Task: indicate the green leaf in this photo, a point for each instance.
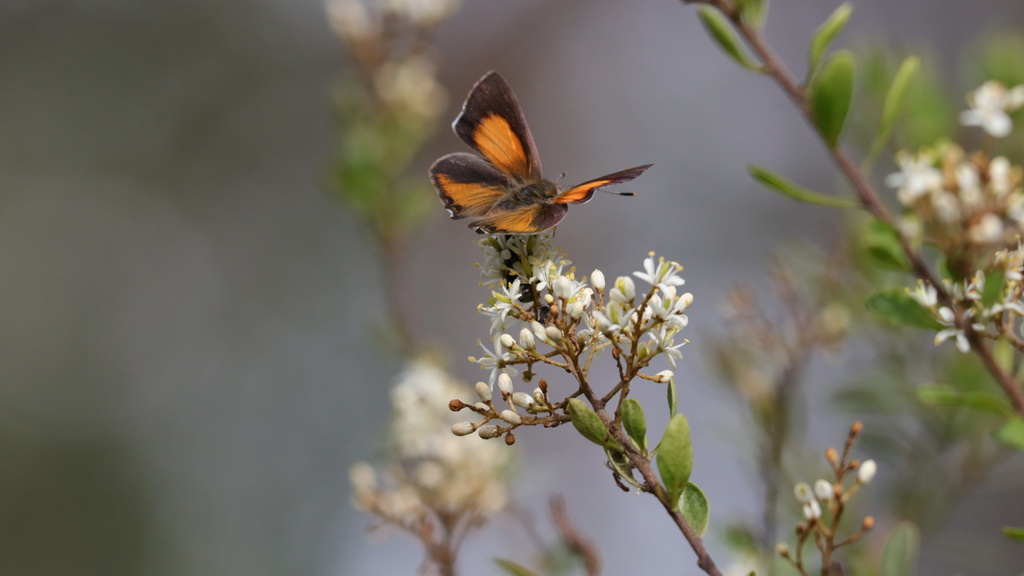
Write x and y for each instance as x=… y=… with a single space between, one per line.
x=1013 y=532
x=693 y=504
x=946 y=395
x=513 y=568
x=672 y=396
x=893 y=101
x=824 y=35
x=787 y=188
x=882 y=244
x=898 y=307
x=589 y=424
x=901 y=550
x=830 y=92
x=1011 y=433
x=621 y=465
x=722 y=32
x=675 y=457
x=995 y=284
x=753 y=11
x=634 y=422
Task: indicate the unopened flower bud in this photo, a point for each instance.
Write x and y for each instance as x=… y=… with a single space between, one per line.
x=482 y=406
x=812 y=510
x=597 y=280
x=553 y=333
x=823 y=490
x=538 y=396
x=665 y=376
x=575 y=310
x=363 y=477
x=463 y=428
x=511 y=416
x=522 y=399
x=624 y=290
x=782 y=549
x=866 y=471
x=488 y=431
x=687 y=299
x=507 y=341
x=483 y=390
x=510 y=439
x=562 y=287
x=505 y=384
x=549 y=299
x=802 y=492
x=526 y=339
x=831 y=455
x=868 y=523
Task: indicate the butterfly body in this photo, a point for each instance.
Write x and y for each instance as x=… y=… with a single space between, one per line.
x=502 y=190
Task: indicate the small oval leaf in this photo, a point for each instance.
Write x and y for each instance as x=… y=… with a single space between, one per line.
x=898 y=307
x=634 y=422
x=589 y=424
x=724 y=35
x=882 y=244
x=946 y=395
x=893 y=101
x=779 y=184
x=995 y=284
x=901 y=550
x=1011 y=433
x=753 y=11
x=675 y=457
x=830 y=92
x=673 y=397
x=1014 y=533
x=825 y=34
x=693 y=504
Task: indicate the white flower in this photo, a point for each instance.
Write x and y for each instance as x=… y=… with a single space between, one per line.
x=990 y=107
x=987 y=230
x=802 y=492
x=969 y=184
x=597 y=280
x=948 y=318
x=917 y=177
x=925 y=294
x=661 y=273
x=1000 y=173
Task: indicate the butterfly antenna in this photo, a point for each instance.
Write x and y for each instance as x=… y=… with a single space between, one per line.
x=617 y=192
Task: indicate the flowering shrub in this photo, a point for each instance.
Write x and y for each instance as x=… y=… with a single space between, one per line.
x=944 y=254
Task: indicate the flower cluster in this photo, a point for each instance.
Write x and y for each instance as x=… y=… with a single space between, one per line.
x=541 y=313
x=432 y=477
x=971 y=208
x=824 y=504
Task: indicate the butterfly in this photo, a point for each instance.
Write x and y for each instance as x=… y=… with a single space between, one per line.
x=502 y=190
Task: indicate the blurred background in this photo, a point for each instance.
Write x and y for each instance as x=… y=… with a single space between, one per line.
x=188 y=352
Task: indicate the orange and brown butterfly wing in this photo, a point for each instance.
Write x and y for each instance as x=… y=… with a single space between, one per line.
x=492 y=123
x=467 y=185
x=583 y=192
x=527 y=220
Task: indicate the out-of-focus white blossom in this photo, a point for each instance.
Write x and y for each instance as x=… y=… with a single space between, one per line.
x=990 y=108
x=431 y=469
